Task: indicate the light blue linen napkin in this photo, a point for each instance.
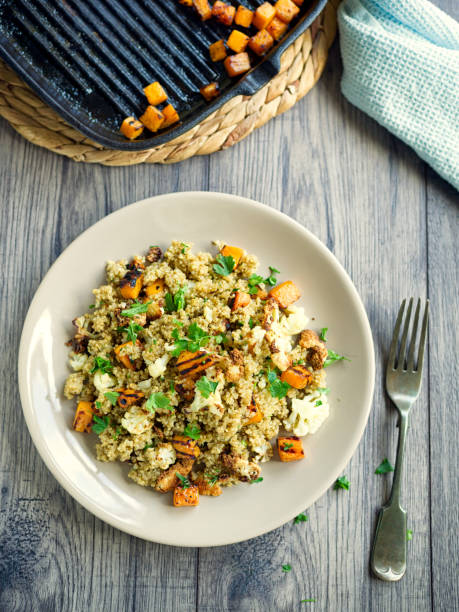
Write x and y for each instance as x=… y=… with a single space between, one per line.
x=401 y=67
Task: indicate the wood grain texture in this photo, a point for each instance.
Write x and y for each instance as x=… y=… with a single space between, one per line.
x=394 y=225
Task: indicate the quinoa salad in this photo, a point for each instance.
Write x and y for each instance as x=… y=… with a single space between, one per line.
x=189 y=365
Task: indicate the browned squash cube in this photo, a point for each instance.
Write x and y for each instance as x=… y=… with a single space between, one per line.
x=152 y=118
x=237 y=41
x=156 y=288
x=261 y=42
x=224 y=13
x=285 y=294
x=83 y=417
x=210 y=91
x=131 y=128
x=185 y=447
x=290 y=448
x=241 y=300
x=171 y=116
x=188 y=496
x=243 y=17
x=298 y=2
x=131 y=284
x=237 y=64
x=255 y=414
x=286 y=10
x=297 y=376
x=203 y=9
x=192 y=364
x=186 y=2
x=235 y=252
x=128 y=397
x=155 y=93
x=277 y=28
x=264 y=15
x=217 y=50
x=122 y=358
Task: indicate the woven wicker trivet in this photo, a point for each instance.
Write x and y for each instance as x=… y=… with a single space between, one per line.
x=301 y=67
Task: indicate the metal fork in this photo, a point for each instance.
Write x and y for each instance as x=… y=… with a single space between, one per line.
x=403 y=382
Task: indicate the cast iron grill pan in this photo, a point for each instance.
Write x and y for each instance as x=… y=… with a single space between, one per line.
x=91 y=59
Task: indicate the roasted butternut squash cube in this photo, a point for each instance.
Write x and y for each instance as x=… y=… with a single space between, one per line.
x=128 y=397
x=188 y=496
x=131 y=284
x=237 y=64
x=290 y=448
x=237 y=41
x=83 y=417
x=236 y=253
x=158 y=287
x=186 y=2
x=155 y=93
x=152 y=118
x=277 y=28
x=297 y=376
x=131 y=128
x=243 y=17
x=240 y=300
x=261 y=42
x=203 y=9
x=285 y=294
x=224 y=13
x=263 y=16
x=217 y=50
x=255 y=414
x=171 y=116
x=210 y=91
x=123 y=358
x=185 y=447
x=191 y=364
x=286 y=10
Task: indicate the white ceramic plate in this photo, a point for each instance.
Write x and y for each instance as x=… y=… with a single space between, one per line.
x=104 y=488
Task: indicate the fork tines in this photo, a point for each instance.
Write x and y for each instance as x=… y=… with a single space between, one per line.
x=398 y=360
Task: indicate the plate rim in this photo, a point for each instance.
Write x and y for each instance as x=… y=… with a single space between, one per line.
x=66 y=481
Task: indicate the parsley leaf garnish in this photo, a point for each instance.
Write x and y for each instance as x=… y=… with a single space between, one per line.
x=323 y=334
x=192 y=431
x=117 y=433
x=221 y=339
x=409 y=535
x=206 y=386
x=301 y=518
x=254 y=281
x=225 y=264
x=92 y=306
x=256 y=480
x=196 y=339
x=104 y=365
x=332 y=357
x=175 y=301
x=324 y=390
x=277 y=387
x=342 y=483
x=318 y=403
x=286 y=567
x=135 y=309
x=112 y=397
x=100 y=424
x=272 y=280
x=158 y=400
x=251 y=323
x=287 y=445
x=185 y=483
x=384 y=467
x=147 y=446
x=213 y=477
x=184 y=247
x=132 y=331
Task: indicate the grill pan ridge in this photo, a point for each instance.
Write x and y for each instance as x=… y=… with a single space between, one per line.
x=90 y=59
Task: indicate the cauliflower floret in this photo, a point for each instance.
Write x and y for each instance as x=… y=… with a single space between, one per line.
x=161 y=457
x=158 y=367
x=295 y=322
x=136 y=421
x=307 y=414
x=213 y=402
x=263 y=452
x=207 y=312
x=103 y=381
x=77 y=360
x=257 y=334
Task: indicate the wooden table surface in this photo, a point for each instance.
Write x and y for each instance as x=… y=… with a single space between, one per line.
x=393 y=223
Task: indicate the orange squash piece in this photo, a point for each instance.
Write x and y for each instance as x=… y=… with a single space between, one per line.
x=256 y=414
x=243 y=17
x=210 y=91
x=290 y=448
x=297 y=376
x=152 y=118
x=131 y=284
x=171 y=116
x=156 y=288
x=131 y=128
x=191 y=364
x=286 y=10
x=237 y=41
x=83 y=417
x=298 y=2
x=277 y=28
x=217 y=50
x=261 y=42
x=285 y=294
x=236 y=65
x=240 y=300
x=224 y=13
x=127 y=397
x=264 y=15
x=203 y=9
x=155 y=93
x=236 y=252
x=186 y=497
x=124 y=359
x=185 y=447
x=186 y=2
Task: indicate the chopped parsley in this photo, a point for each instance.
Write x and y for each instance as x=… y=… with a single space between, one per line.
x=221 y=339
x=117 y=433
x=184 y=248
x=286 y=567
x=172 y=386
x=206 y=386
x=277 y=387
x=342 y=483
x=384 y=467
x=225 y=264
x=323 y=390
x=184 y=482
x=332 y=357
x=178 y=323
x=409 y=535
x=318 y=403
x=100 y=424
x=213 y=477
x=254 y=281
x=323 y=334
x=112 y=397
x=256 y=480
x=272 y=280
x=147 y=446
x=301 y=518
x=195 y=339
x=299 y=362
x=92 y=305
x=175 y=301
x=136 y=309
x=158 y=400
x=251 y=323
x=103 y=365
x=287 y=445
x=131 y=330
x=192 y=431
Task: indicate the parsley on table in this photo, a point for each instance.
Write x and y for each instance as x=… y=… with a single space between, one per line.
x=384 y=467
x=342 y=483
x=104 y=365
x=323 y=334
x=409 y=535
x=136 y=309
x=318 y=403
x=112 y=397
x=185 y=483
x=100 y=424
x=131 y=330
x=192 y=431
x=176 y=301
x=206 y=386
x=158 y=400
x=277 y=387
x=256 y=480
x=287 y=445
x=286 y=567
x=307 y=600
x=301 y=518
x=332 y=357
x=225 y=264
x=272 y=280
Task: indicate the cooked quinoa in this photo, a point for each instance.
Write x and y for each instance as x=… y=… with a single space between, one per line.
x=188 y=364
